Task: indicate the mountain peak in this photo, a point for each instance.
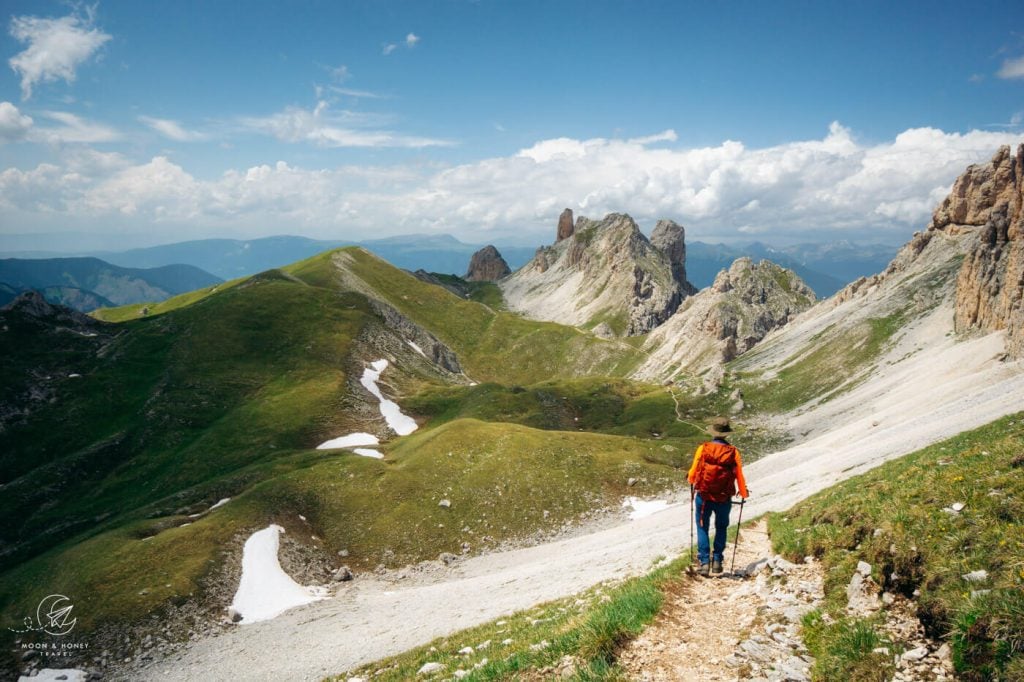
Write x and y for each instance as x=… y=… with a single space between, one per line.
x=603 y=271
x=981 y=189
x=487 y=265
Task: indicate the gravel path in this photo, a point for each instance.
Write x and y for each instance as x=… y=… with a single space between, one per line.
x=911 y=405
x=729 y=627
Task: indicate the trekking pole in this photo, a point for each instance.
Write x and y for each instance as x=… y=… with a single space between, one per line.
x=691 y=526
x=732 y=569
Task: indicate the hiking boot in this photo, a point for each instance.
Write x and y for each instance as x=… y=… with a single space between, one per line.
x=704 y=570
x=716 y=566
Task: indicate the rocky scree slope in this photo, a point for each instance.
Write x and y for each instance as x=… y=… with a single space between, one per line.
x=716 y=325
x=603 y=275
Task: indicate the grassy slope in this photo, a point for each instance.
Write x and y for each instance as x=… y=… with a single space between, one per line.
x=892 y=518
x=491 y=345
x=217 y=394
x=135 y=311
x=903 y=498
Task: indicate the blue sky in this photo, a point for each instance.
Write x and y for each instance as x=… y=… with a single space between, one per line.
x=151 y=122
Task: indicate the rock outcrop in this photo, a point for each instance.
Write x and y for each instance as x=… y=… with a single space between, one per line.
x=670 y=238
x=33 y=304
x=565 y=225
x=487 y=265
x=989 y=199
x=744 y=304
x=604 y=275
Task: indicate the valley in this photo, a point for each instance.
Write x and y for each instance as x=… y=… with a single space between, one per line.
x=142 y=446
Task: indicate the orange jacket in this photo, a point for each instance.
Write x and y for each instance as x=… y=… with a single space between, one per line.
x=741 y=483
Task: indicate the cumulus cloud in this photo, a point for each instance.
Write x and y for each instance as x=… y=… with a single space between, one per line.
x=818 y=189
x=1012 y=68
x=389 y=48
x=56 y=48
x=171 y=129
x=411 y=39
x=325 y=128
x=14 y=125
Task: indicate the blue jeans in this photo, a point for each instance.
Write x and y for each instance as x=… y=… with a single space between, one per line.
x=703 y=509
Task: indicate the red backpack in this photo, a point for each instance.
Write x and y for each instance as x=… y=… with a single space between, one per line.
x=715 y=479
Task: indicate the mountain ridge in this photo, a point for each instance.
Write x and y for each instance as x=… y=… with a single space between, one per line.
x=97 y=281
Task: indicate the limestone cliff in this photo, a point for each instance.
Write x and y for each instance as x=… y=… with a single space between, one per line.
x=723 y=321
x=989 y=198
x=603 y=275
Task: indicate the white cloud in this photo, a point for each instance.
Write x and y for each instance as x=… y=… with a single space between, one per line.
x=1012 y=68
x=411 y=40
x=56 y=47
x=73 y=129
x=325 y=128
x=819 y=189
x=664 y=136
x=172 y=129
x=14 y=125
x=159 y=188
x=340 y=73
x=359 y=94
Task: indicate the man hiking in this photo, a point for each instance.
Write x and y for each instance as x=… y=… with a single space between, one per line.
x=715 y=476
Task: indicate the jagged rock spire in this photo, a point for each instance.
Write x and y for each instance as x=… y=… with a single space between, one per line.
x=670 y=238
x=565 y=225
x=487 y=265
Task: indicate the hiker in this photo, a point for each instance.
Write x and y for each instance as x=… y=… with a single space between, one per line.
x=715 y=476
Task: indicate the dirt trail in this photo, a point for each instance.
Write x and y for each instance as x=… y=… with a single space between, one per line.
x=729 y=627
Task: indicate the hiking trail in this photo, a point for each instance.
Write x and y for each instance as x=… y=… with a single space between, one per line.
x=731 y=628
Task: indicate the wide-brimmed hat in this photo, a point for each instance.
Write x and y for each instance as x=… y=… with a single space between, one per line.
x=719 y=426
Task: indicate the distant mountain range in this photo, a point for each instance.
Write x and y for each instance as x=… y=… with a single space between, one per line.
x=231 y=258
x=825 y=267
x=89 y=283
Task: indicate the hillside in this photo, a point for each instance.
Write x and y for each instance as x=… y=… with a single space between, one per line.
x=88 y=283
x=119 y=440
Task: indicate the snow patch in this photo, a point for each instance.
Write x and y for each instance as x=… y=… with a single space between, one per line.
x=351 y=440
x=265 y=590
x=52 y=674
x=416 y=348
x=400 y=423
x=220 y=503
x=643 y=508
x=369 y=452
